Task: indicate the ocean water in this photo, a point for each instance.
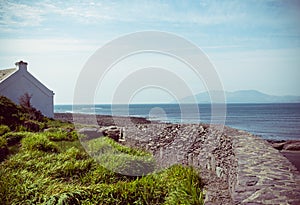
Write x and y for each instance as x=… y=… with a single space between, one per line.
x=270 y=121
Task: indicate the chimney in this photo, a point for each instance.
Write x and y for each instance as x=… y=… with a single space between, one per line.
x=21 y=65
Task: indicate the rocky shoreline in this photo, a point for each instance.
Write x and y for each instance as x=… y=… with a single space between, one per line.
x=289 y=148
x=220 y=155
x=102 y=120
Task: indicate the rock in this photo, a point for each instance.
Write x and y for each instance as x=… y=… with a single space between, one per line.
x=122 y=135
x=113 y=132
x=292 y=145
x=90 y=133
x=219 y=171
x=278 y=146
x=211 y=165
x=201 y=129
x=251 y=180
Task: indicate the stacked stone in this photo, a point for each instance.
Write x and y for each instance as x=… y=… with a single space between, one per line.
x=194 y=145
x=236 y=167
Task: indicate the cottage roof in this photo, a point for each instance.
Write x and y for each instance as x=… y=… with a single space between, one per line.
x=22 y=67
x=5 y=73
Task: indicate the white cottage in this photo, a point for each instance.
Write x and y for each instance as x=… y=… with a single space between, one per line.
x=15 y=82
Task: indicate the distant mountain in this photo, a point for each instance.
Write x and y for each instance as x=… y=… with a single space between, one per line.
x=241 y=96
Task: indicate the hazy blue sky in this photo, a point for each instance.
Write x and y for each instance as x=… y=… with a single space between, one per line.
x=254 y=44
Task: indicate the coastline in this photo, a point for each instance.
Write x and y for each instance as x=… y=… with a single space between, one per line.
x=285 y=147
x=193 y=145
x=234 y=164
x=254 y=118
x=102 y=120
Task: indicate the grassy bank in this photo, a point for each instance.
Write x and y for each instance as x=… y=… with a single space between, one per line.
x=51 y=167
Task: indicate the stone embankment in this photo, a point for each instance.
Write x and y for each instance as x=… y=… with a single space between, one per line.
x=195 y=145
x=236 y=167
x=264 y=176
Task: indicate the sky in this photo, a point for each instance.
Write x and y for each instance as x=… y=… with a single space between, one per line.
x=253 y=44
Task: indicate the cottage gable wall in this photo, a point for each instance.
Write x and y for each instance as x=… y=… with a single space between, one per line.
x=21 y=82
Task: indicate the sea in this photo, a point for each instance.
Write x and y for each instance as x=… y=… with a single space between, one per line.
x=270 y=121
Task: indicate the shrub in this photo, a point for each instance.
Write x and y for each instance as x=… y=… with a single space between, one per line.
x=30 y=112
x=9 y=113
x=21 y=128
x=4 y=129
x=57 y=134
x=39 y=142
x=51 y=123
x=13 y=138
x=3 y=148
x=33 y=126
x=3 y=142
x=25 y=115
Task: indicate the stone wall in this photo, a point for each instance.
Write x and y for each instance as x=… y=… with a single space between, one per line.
x=191 y=144
x=236 y=167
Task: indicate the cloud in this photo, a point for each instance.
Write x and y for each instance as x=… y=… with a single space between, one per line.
x=43 y=46
x=253 y=23
x=19 y=14
x=33 y=14
x=84 y=12
x=239 y=14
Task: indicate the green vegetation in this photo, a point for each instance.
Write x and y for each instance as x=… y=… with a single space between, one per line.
x=58 y=134
x=3 y=149
x=24 y=117
x=4 y=129
x=50 y=166
x=119 y=158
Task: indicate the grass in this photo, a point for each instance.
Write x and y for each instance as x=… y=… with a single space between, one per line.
x=53 y=168
x=59 y=134
x=37 y=141
x=4 y=129
x=118 y=158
